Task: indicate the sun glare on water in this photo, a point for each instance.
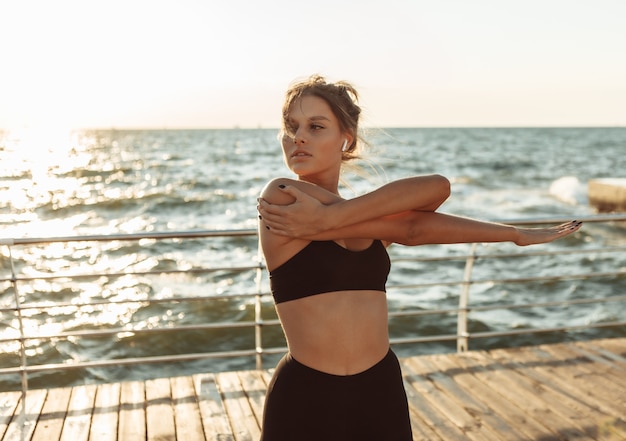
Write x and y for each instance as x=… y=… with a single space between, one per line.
x=37 y=169
x=46 y=191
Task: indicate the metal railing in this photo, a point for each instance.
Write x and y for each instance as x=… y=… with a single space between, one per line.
x=260 y=297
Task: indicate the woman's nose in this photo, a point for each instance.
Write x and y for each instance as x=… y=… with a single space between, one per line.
x=297 y=138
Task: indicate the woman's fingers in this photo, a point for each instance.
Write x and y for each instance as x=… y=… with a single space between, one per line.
x=267 y=215
x=569 y=227
x=531 y=236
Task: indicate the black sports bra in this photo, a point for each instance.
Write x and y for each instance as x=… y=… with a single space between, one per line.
x=325 y=266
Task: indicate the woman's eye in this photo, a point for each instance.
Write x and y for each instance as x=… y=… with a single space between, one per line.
x=316 y=127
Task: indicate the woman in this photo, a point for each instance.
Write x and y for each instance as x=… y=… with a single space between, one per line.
x=328 y=267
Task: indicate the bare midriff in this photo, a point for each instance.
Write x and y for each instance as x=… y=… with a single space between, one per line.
x=340 y=333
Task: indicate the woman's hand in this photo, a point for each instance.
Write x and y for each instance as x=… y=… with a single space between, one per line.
x=305 y=216
x=532 y=236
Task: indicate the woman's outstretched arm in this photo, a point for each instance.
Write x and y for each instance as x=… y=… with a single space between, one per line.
x=297 y=209
x=439 y=228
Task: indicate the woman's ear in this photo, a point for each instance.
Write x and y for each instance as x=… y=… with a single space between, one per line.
x=349 y=137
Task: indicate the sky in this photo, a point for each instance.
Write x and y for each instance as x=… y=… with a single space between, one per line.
x=221 y=64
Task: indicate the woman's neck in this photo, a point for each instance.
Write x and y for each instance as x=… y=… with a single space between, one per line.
x=329 y=184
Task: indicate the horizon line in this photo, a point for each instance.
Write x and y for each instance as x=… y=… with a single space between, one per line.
x=368 y=127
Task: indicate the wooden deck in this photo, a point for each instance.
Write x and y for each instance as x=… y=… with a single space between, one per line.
x=573 y=391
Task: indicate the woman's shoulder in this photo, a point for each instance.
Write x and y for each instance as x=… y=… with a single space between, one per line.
x=271 y=191
x=274 y=194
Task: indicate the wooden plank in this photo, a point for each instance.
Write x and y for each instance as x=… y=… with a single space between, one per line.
x=594 y=366
x=421 y=416
x=573 y=412
x=132 y=420
x=428 y=411
x=24 y=422
x=255 y=389
x=484 y=415
x=618 y=360
x=527 y=396
x=595 y=382
x=503 y=416
x=212 y=411
x=432 y=389
x=105 y=414
x=186 y=410
x=267 y=375
x=491 y=395
x=239 y=410
x=609 y=365
x=8 y=407
x=78 y=419
x=615 y=348
x=573 y=379
x=569 y=380
x=159 y=410
x=50 y=423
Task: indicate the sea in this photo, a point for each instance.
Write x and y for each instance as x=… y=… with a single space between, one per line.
x=57 y=183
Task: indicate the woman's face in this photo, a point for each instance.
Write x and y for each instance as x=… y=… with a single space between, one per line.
x=312 y=144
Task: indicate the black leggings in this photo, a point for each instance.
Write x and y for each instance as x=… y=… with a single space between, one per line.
x=304 y=404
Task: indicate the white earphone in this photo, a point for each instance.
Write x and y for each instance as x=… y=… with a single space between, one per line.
x=344 y=146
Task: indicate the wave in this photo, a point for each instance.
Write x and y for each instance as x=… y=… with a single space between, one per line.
x=570 y=190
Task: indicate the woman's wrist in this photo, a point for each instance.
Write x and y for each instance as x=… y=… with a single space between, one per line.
x=333 y=216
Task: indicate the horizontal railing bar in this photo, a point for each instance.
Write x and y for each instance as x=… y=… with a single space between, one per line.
x=424 y=312
x=552 y=253
x=30 y=306
x=552 y=278
x=514 y=280
x=238 y=269
x=544 y=304
x=253 y=232
x=463 y=257
x=104 y=332
x=425 y=285
x=428 y=339
x=477 y=335
x=130 y=236
x=140 y=360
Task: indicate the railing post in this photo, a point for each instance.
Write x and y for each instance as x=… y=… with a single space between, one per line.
x=18 y=312
x=258 y=313
x=462 y=340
